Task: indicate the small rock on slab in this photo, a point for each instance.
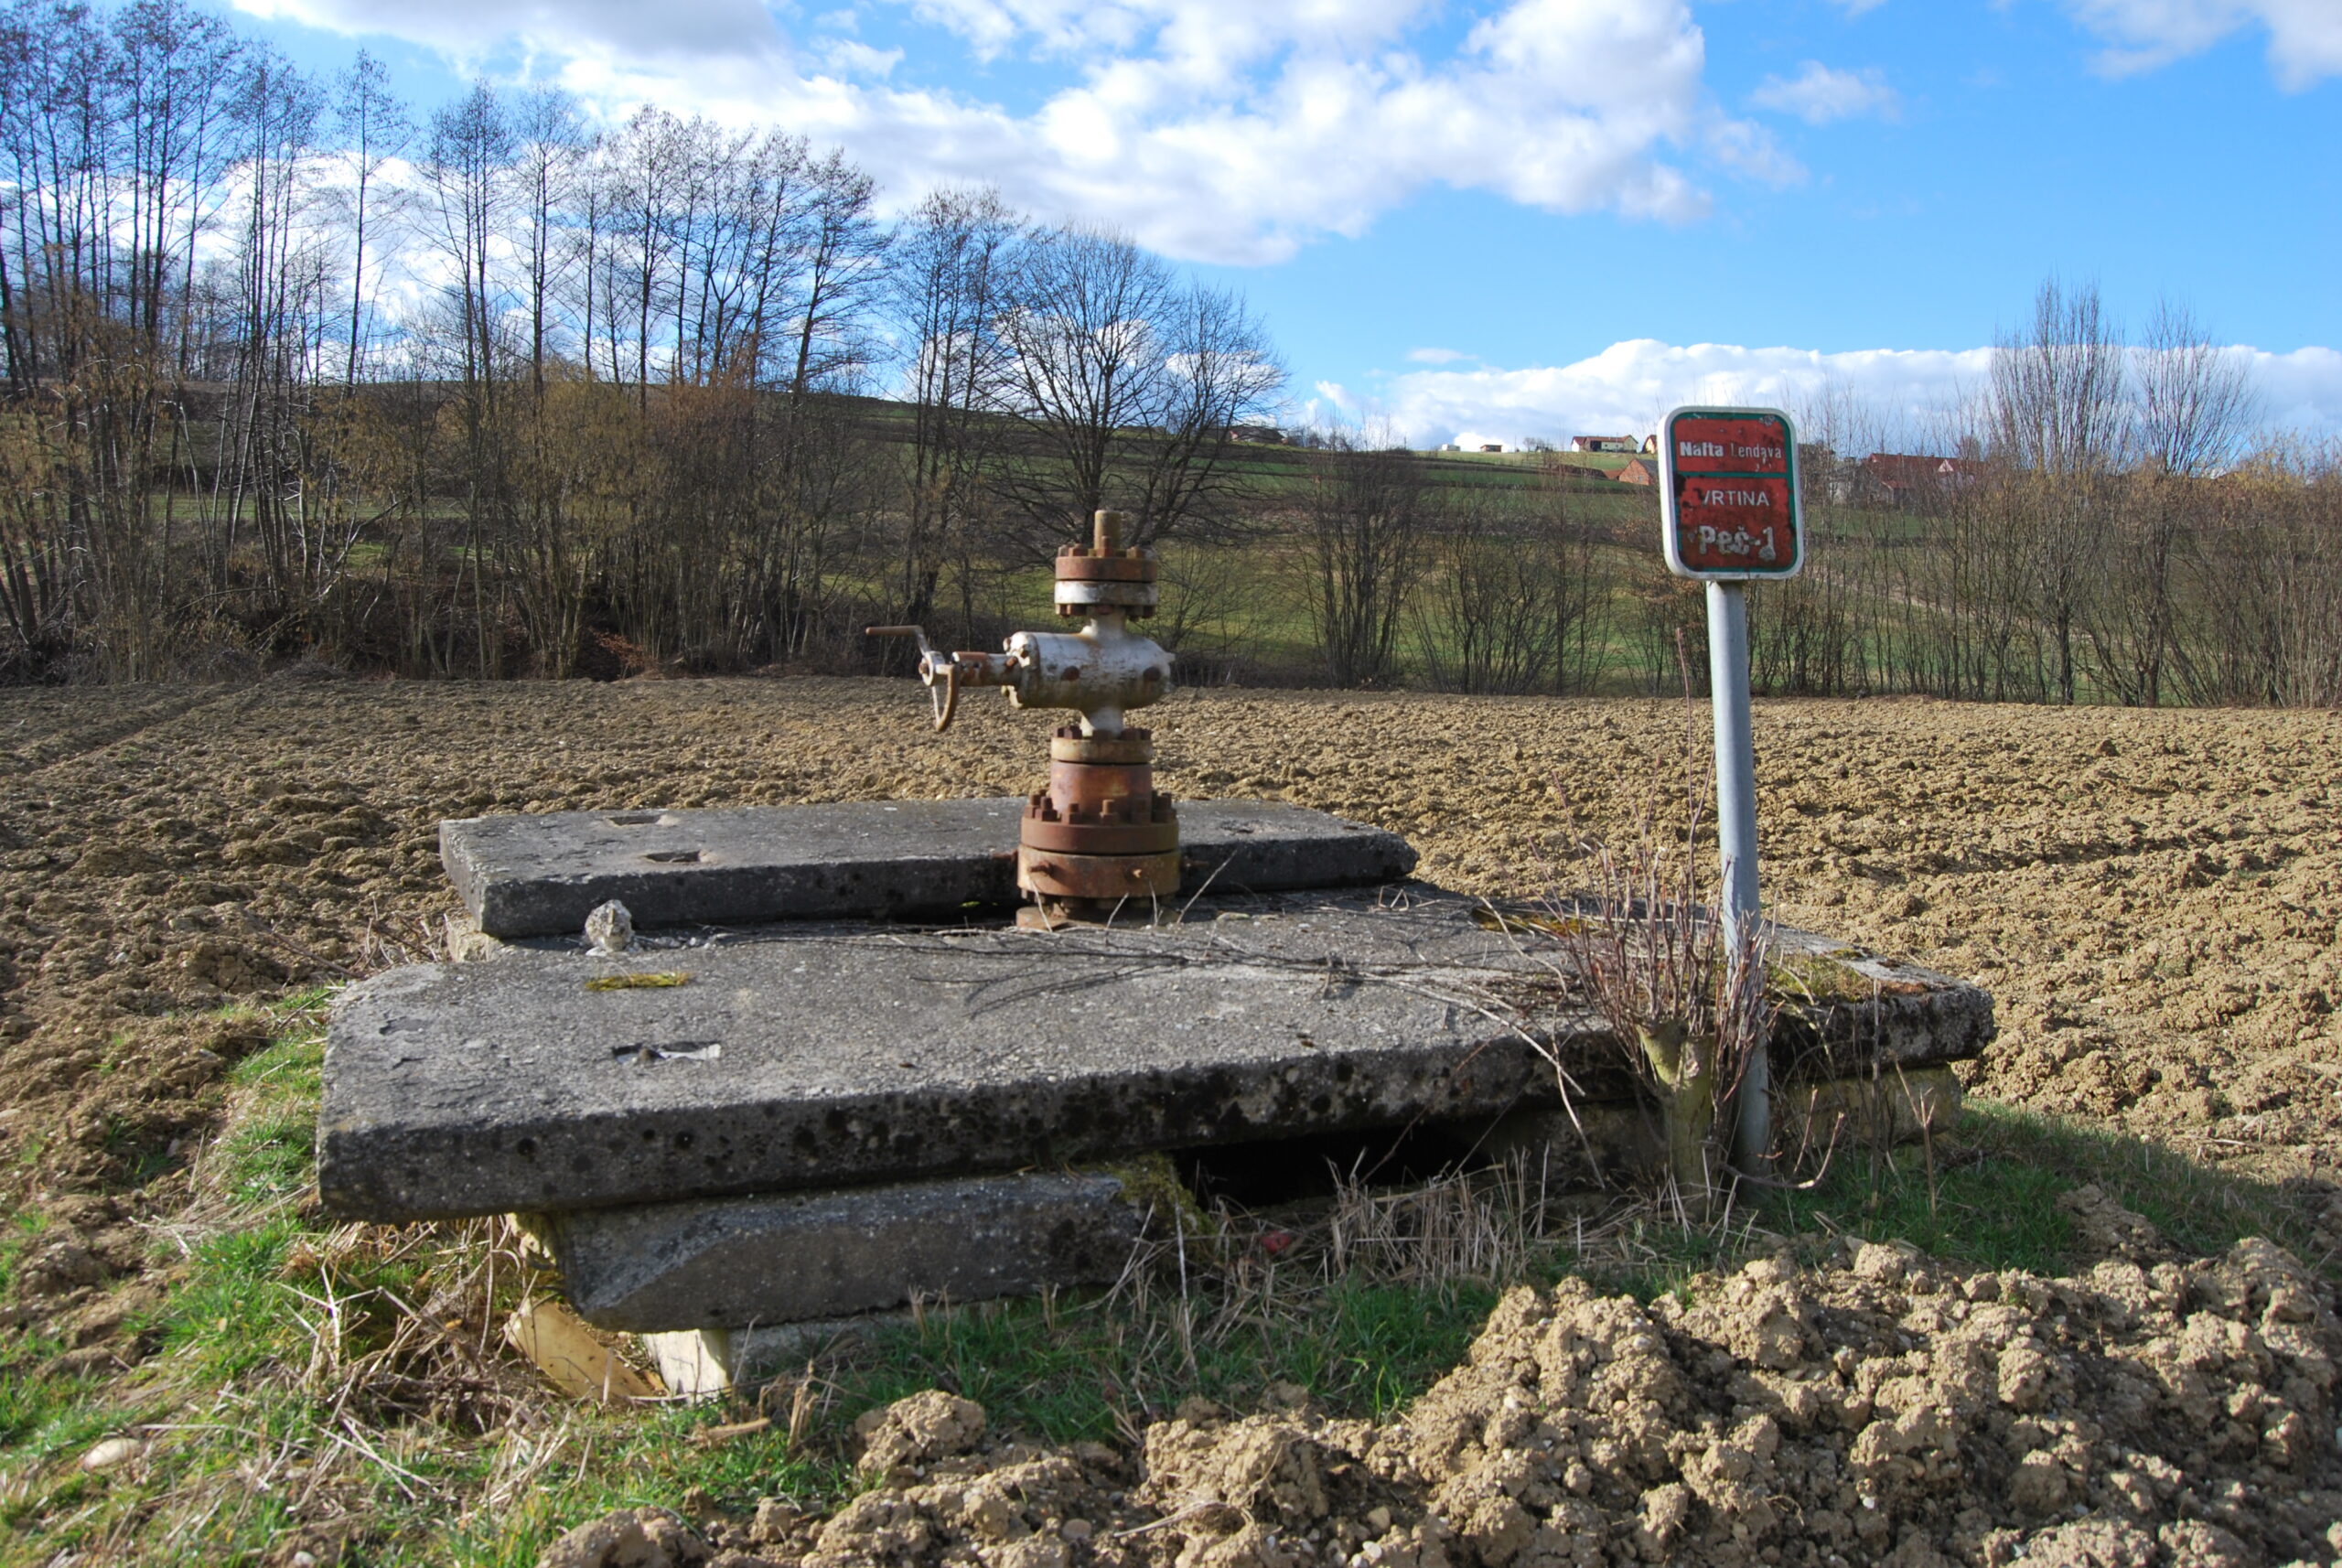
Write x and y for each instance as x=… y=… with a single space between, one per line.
x=542 y=874
x=788 y=1257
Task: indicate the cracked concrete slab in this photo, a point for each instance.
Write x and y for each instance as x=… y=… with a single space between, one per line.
x=807 y=1056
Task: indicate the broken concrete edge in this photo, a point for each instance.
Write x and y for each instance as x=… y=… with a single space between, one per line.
x=466 y=943
x=540 y=874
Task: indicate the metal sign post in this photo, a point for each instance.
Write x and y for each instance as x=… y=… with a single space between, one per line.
x=1732 y=514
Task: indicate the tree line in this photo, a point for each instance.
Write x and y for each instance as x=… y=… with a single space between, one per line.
x=2119 y=530
x=2102 y=521
x=2111 y=526
x=292 y=370
x=492 y=391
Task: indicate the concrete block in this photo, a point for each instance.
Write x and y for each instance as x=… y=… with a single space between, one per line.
x=693 y=1366
x=804 y=1056
x=783 y=1258
x=542 y=874
x=1593 y=1143
x=814 y=1057
x=1899 y=1107
x=1605 y=1142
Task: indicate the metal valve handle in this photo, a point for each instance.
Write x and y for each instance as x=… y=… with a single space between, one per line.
x=939 y=671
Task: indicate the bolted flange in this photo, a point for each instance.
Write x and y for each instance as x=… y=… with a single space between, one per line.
x=1100 y=833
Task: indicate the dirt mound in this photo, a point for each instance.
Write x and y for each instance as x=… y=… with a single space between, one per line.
x=1877 y=1409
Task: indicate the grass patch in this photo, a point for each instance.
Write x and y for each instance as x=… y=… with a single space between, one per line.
x=1099 y=1367
x=1987 y=1194
x=308 y=1384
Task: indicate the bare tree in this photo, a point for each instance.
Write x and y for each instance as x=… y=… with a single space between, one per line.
x=637 y=171
x=1363 y=526
x=951 y=259
x=1509 y=601
x=279 y=269
x=841 y=273
x=2060 y=419
x=548 y=141
x=375 y=128
x=2194 y=406
x=1126 y=384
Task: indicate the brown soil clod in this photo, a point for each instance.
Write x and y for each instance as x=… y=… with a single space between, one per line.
x=1881 y=1408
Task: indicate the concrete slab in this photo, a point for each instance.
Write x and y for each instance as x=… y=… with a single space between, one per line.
x=805 y=1056
x=784 y=1258
x=541 y=875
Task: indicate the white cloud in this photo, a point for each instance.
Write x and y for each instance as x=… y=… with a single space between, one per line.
x=848 y=57
x=1438 y=355
x=674 y=29
x=1221 y=130
x=1749 y=148
x=1818 y=95
x=1905 y=395
x=1628 y=385
x=2301 y=391
x=2305 y=36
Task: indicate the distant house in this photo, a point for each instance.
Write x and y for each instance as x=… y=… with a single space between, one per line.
x=1641 y=471
x=1650 y=446
x=1904 y=478
x=1604 y=444
x=1257 y=436
x=1493 y=446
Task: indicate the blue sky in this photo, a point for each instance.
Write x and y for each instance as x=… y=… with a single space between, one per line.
x=1521 y=218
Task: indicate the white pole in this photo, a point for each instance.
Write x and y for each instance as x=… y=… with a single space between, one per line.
x=1736 y=834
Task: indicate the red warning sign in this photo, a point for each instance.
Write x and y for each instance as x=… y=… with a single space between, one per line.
x=1729 y=492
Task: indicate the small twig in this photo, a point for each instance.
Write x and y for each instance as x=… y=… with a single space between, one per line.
x=709 y=1436
x=1190 y=1510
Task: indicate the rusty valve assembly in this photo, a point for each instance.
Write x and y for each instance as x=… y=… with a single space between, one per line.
x=1098 y=835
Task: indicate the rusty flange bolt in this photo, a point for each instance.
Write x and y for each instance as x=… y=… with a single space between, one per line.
x=1103 y=575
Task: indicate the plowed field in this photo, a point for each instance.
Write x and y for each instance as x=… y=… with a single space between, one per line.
x=2155 y=899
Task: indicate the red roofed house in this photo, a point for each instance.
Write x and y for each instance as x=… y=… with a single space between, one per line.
x=1897 y=479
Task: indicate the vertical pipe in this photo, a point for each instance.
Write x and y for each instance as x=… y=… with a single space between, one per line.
x=1737 y=833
